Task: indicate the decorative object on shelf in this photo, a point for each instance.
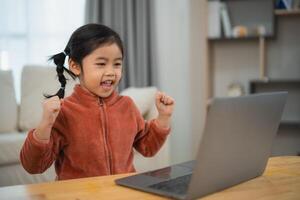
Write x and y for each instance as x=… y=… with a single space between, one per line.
x=261 y=30
x=240 y=31
x=244 y=31
x=235 y=90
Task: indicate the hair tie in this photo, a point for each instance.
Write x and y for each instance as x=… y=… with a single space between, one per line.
x=65 y=53
x=62 y=88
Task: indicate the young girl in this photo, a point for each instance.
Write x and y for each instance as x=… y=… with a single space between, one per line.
x=93 y=131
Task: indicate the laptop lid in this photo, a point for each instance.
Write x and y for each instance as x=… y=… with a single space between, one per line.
x=235 y=147
x=237 y=141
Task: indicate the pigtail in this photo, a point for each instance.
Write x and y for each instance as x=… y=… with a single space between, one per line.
x=59 y=60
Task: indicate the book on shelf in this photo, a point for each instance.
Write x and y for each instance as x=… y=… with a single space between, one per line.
x=225 y=20
x=214 y=19
x=287 y=4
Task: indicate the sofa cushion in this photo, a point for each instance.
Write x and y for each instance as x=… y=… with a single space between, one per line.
x=36 y=81
x=10 y=147
x=144 y=98
x=15 y=174
x=8 y=104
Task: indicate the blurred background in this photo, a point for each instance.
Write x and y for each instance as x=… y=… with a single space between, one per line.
x=194 y=50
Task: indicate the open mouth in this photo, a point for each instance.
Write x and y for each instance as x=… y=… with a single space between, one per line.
x=107 y=85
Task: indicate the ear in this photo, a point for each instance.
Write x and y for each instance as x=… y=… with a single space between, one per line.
x=74 y=67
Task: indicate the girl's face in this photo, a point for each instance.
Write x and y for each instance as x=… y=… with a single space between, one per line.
x=102 y=70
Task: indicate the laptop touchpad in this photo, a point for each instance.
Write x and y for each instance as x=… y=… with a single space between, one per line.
x=173 y=171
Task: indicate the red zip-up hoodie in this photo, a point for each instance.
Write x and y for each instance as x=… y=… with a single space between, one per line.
x=93 y=136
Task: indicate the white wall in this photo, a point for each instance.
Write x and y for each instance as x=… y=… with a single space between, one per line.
x=173 y=69
x=173 y=29
x=198 y=70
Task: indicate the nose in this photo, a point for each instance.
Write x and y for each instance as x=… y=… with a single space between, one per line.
x=109 y=71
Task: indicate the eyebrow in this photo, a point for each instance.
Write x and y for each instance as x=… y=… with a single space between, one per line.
x=106 y=59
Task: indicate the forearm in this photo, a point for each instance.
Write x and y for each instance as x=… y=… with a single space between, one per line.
x=163 y=121
x=43 y=131
x=35 y=156
x=149 y=143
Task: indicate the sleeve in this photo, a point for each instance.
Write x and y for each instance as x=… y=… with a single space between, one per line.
x=150 y=137
x=37 y=156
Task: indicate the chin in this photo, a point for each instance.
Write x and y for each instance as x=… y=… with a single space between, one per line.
x=105 y=94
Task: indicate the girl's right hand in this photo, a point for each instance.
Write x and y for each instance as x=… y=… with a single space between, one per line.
x=51 y=108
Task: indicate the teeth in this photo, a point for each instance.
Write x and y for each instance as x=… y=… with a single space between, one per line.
x=107 y=82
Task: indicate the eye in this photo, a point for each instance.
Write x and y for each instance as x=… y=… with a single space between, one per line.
x=102 y=64
x=118 y=65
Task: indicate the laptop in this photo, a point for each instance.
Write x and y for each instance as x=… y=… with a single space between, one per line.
x=234 y=147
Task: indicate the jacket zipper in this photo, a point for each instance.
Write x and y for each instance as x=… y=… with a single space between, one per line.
x=105 y=136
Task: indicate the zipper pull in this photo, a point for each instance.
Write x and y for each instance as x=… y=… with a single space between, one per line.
x=101 y=102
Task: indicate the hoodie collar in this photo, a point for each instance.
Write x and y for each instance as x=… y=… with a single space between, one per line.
x=88 y=97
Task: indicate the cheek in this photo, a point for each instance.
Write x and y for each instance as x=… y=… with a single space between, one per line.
x=119 y=74
x=92 y=76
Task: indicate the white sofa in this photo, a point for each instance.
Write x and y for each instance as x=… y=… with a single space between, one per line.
x=17 y=119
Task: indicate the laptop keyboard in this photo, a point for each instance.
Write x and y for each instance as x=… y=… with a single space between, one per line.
x=177 y=185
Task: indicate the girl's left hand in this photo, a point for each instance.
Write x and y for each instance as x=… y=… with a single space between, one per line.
x=164 y=104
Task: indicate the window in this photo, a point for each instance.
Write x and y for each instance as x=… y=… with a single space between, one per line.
x=32 y=30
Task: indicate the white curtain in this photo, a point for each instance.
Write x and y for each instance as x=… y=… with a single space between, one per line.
x=32 y=30
x=133 y=20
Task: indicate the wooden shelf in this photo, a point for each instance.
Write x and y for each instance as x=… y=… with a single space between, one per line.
x=276 y=81
x=284 y=123
x=282 y=12
x=234 y=38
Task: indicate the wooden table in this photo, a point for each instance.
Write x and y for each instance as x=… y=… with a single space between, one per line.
x=281 y=180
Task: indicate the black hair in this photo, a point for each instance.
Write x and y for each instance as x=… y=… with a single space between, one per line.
x=82 y=42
